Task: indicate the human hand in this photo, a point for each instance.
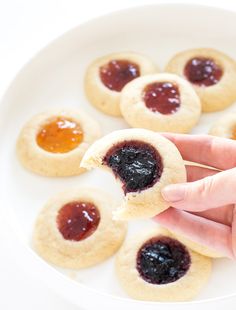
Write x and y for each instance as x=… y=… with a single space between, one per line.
x=203 y=209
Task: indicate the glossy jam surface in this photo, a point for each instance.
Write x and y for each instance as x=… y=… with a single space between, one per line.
x=117 y=73
x=203 y=71
x=137 y=164
x=162 y=97
x=162 y=260
x=78 y=220
x=60 y=135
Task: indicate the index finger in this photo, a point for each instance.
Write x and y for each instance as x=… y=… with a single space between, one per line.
x=216 y=152
x=211 y=234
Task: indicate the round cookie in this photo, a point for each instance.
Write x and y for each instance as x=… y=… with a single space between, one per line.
x=106 y=76
x=211 y=73
x=143 y=162
x=53 y=143
x=75 y=229
x=154 y=266
x=225 y=127
x=160 y=102
x=196 y=247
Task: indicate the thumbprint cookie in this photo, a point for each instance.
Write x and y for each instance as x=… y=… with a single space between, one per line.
x=53 y=143
x=143 y=162
x=106 y=76
x=160 y=102
x=225 y=127
x=75 y=229
x=155 y=266
x=211 y=73
x=197 y=247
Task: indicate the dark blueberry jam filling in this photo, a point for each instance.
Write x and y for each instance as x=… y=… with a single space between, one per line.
x=137 y=164
x=162 y=260
x=203 y=71
x=117 y=73
x=78 y=220
x=162 y=97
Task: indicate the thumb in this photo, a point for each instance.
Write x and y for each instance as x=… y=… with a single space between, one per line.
x=210 y=192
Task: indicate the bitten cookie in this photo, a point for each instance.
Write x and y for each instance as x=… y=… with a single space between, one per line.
x=155 y=266
x=53 y=143
x=106 y=76
x=75 y=229
x=212 y=74
x=160 y=102
x=143 y=162
x=225 y=127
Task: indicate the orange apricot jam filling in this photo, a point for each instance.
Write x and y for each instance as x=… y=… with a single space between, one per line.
x=233 y=134
x=60 y=135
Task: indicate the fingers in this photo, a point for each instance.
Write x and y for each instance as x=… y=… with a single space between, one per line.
x=210 y=192
x=207 y=150
x=195 y=173
x=223 y=215
x=200 y=230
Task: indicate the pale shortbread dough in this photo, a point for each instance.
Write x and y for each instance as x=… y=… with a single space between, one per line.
x=103 y=98
x=148 y=202
x=224 y=126
x=104 y=242
x=138 y=115
x=215 y=97
x=185 y=288
x=40 y=161
x=196 y=247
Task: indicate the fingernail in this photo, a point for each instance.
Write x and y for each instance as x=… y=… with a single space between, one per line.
x=174 y=193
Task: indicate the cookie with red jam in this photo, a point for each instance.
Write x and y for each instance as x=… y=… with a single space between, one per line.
x=106 y=77
x=211 y=73
x=160 y=102
x=75 y=229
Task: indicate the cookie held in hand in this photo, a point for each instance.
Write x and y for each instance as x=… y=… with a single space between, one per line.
x=143 y=162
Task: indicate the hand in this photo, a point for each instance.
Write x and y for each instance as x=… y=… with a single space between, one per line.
x=204 y=208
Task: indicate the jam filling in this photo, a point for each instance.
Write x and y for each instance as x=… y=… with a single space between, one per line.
x=78 y=220
x=203 y=71
x=60 y=135
x=137 y=164
x=162 y=97
x=117 y=73
x=162 y=260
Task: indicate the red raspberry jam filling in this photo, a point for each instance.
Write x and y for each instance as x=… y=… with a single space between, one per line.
x=78 y=220
x=162 y=260
x=203 y=71
x=137 y=164
x=162 y=97
x=117 y=73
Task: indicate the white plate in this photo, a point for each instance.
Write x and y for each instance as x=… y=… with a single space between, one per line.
x=55 y=78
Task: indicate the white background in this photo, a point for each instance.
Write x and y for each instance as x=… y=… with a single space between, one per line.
x=25 y=27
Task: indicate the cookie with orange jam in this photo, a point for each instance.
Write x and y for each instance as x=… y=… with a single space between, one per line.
x=53 y=143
